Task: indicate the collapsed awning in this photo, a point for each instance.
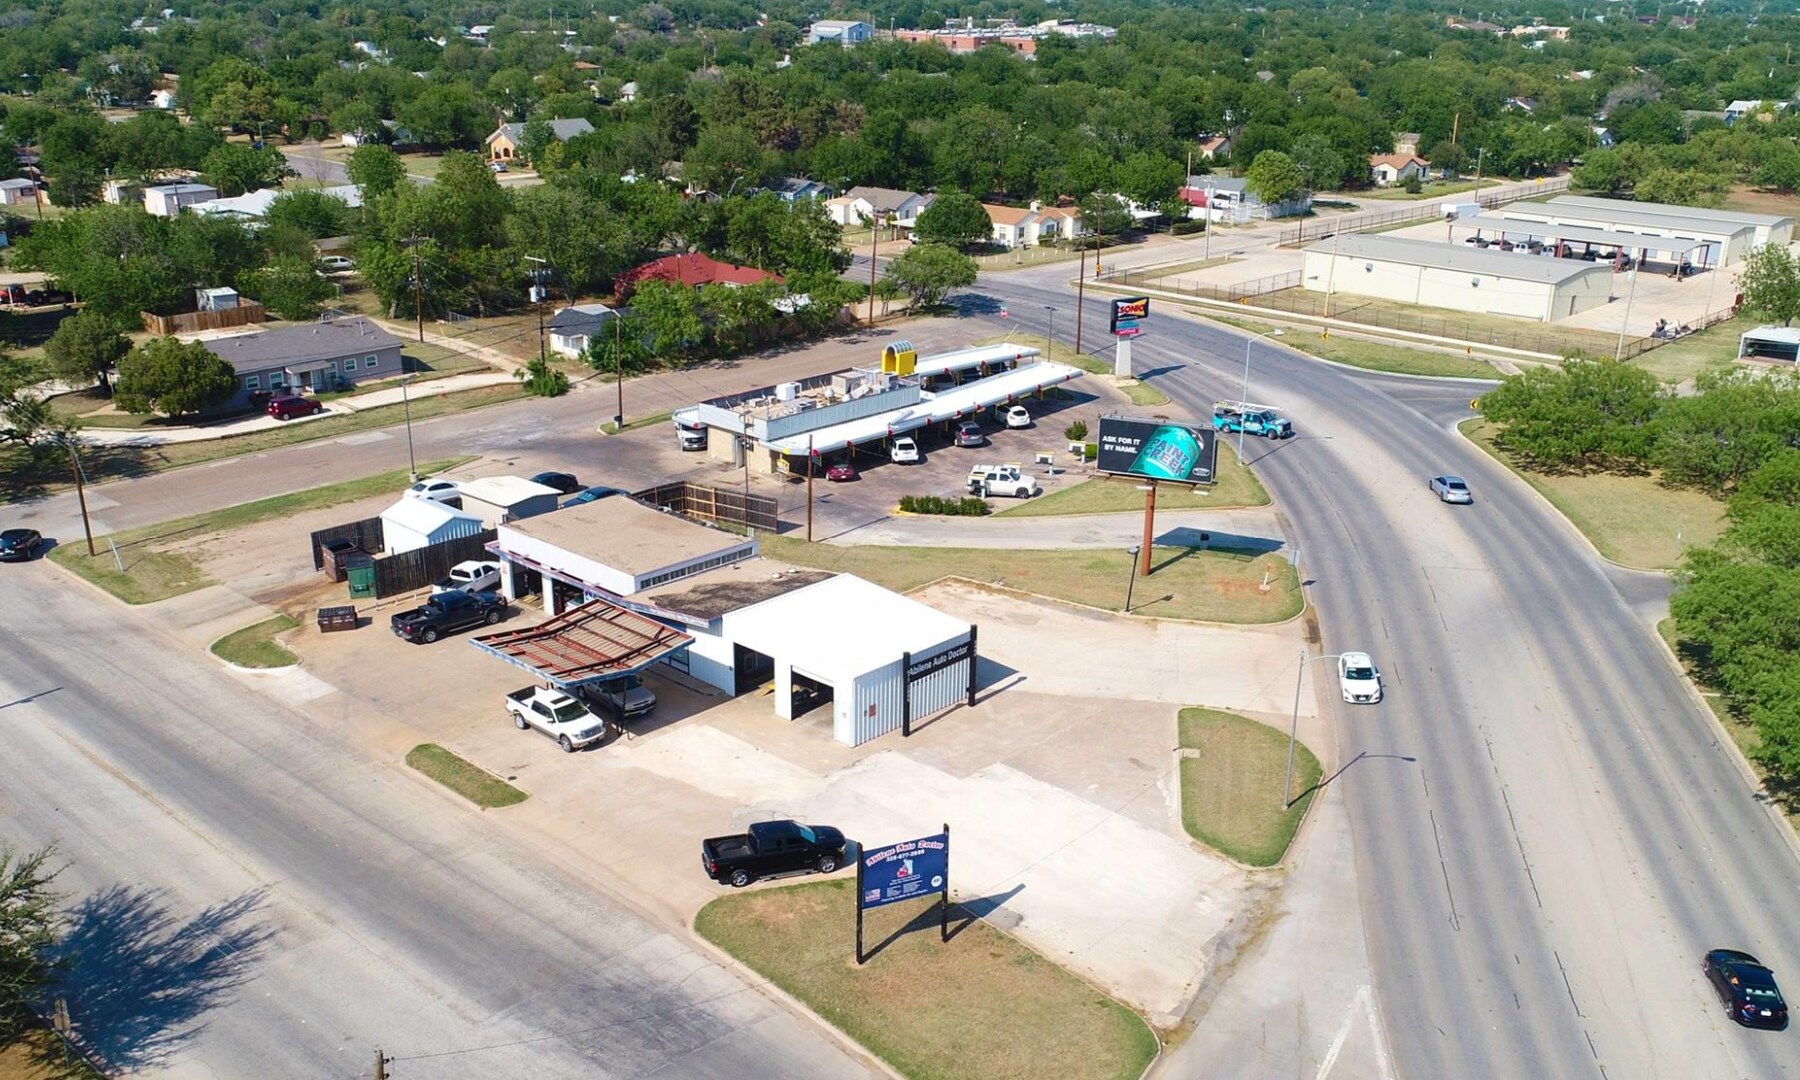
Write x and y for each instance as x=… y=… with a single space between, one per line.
x=589 y=643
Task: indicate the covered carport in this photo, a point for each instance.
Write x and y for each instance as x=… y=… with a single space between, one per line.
x=1770 y=343
x=594 y=642
x=1574 y=241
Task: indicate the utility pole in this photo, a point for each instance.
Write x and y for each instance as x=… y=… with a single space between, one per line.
x=809 y=486
x=418 y=284
x=80 y=493
x=1080 y=295
x=381 y=1064
x=619 y=371
x=874 y=249
x=537 y=295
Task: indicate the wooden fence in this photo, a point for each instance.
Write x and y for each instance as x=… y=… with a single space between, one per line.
x=366 y=534
x=247 y=312
x=706 y=503
x=409 y=570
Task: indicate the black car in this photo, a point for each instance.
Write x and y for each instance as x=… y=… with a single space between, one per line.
x=446 y=613
x=19 y=545
x=593 y=494
x=772 y=847
x=561 y=481
x=1747 y=988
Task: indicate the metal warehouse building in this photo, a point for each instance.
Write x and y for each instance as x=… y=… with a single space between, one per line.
x=1769 y=228
x=1453 y=276
x=738 y=621
x=1726 y=242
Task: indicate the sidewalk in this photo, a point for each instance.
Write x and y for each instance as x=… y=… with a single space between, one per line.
x=1252 y=527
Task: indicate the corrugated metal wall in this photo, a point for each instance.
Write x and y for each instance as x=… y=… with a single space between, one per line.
x=879 y=704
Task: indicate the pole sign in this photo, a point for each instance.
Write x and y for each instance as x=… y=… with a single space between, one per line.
x=1127 y=314
x=903 y=871
x=918 y=669
x=1153 y=449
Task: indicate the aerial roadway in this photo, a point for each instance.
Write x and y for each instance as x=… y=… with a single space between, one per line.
x=1549 y=833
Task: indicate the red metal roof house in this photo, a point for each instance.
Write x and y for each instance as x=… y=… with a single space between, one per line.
x=692 y=270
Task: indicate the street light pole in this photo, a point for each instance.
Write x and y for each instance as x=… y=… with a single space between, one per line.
x=1132 y=584
x=406 y=404
x=1050 y=338
x=1245 y=400
x=1287 y=784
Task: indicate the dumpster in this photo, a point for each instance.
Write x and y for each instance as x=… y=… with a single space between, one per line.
x=333 y=619
x=335 y=552
x=359 y=570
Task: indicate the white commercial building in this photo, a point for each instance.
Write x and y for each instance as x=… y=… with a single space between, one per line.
x=1770 y=228
x=1455 y=276
x=167 y=200
x=498 y=499
x=1725 y=242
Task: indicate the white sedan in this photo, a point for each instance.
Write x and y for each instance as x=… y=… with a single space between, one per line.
x=439 y=490
x=1358 y=679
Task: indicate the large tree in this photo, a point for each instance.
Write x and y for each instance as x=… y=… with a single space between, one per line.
x=235 y=168
x=1770 y=282
x=84 y=349
x=928 y=273
x=173 y=377
x=955 y=219
x=1588 y=412
x=290 y=287
x=1273 y=177
x=30 y=922
x=375 y=170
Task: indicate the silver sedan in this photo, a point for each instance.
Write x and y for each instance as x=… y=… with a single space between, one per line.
x=1451 y=489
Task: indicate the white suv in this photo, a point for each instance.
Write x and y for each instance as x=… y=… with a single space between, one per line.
x=991 y=480
x=904 y=451
x=1018 y=417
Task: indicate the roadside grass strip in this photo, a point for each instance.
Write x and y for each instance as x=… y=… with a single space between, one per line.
x=472 y=782
x=255 y=646
x=1237 y=487
x=1231 y=785
x=1370 y=355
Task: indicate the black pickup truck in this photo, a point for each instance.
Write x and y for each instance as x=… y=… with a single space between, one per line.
x=446 y=613
x=772 y=847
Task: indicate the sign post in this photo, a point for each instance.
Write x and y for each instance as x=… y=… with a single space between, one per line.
x=1127 y=317
x=904 y=871
x=1156 y=449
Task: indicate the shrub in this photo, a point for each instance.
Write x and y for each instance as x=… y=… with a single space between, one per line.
x=1413 y=185
x=1188 y=228
x=967 y=506
x=1076 y=432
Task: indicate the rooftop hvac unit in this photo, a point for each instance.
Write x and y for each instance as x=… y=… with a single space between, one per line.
x=787 y=391
x=845 y=384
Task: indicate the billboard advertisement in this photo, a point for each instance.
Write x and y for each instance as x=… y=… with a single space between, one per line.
x=1154 y=449
x=1128 y=315
x=903 y=871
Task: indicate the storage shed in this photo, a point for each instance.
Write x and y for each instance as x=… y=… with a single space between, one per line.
x=1453 y=276
x=1770 y=343
x=411 y=524
x=499 y=499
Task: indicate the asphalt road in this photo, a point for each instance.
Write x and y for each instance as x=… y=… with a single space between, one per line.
x=1540 y=880
x=253 y=898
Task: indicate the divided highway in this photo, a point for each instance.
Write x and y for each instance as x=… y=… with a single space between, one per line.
x=1540 y=882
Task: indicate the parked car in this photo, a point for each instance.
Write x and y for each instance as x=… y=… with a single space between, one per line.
x=904 y=451
x=841 y=471
x=497 y=166
x=19 y=545
x=564 y=483
x=444 y=491
x=593 y=494
x=556 y=714
x=1006 y=480
x=1451 y=489
x=690 y=438
x=1018 y=417
x=772 y=847
x=288 y=406
x=446 y=613
x=41 y=297
x=1358 y=680
x=336 y=264
x=1747 y=988
x=626 y=696
x=474 y=575
x=969 y=433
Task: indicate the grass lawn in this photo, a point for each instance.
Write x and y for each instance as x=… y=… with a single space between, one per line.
x=1019 y=258
x=1711 y=349
x=1177 y=269
x=1142 y=393
x=640 y=422
x=39 y=1055
x=1633 y=520
x=255 y=646
x=1231 y=787
x=1237 y=486
x=1373 y=355
x=1444 y=322
x=1200 y=584
x=1748 y=199
x=981 y=1006
x=1432 y=190
x=154 y=571
x=473 y=783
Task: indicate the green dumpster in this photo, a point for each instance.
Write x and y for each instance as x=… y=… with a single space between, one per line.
x=360 y=572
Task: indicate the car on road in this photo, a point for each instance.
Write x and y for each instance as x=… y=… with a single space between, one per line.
x=473 y=575
x=1747 y=988
x=1018 y=417
x=288 y=406
x=446 y=613
x=625 y=696
x=336 y=264
x=969 y=433
x=554 y=713
x=564 y=483
x=772 y=847
x=593 y=494
x=904 y=451
x=19 y=545
x=1451 y=489
x=1358 y=678
x=841 y=471
x=444 y=491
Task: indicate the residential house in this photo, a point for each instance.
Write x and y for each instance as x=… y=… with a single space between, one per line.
x=167 y=200
x=369 y=49
x=1603 y=137
x=860 y=205
x=1059 y=223
x=1213 y=147
x=1228 y=199
x=573 y=328
x=692 y=270
x=628 y=93
x=254 y=205
x=1407 y=142
x=1760 y=110
x=122 y=192
x=795 y=188
x=503 y=144
x=21 y=192
x=411 y=524
x=329 y=355
x=845 y=32
x=1010 y=224
x=1521 y=104
x=479 y=34
x=1387 y=170
x=162 y=99
x=1478 y=26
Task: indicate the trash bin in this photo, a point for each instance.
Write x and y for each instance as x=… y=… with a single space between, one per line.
x=359 y=570
x=335 y=552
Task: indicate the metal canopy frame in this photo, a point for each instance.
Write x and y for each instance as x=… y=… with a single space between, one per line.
x=589 y=643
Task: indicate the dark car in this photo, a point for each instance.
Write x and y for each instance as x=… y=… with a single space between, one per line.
x=593 y=494
x=288 y=406
x=561 y=481
x=772 y=847
x=446 y=613
x=19 y=545
x=1747 y=988
x=841 y=471
x=969 y=433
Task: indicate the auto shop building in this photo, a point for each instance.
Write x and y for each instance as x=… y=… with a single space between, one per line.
x=1453 y=276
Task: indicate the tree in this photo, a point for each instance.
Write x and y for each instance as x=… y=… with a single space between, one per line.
x=1588 y=412
x=1684 y=187
x=311 y=213
x=291 y=288
x=1448 y=156
x=375 y=170
x=1147 y=179
x=1725 y=431
x=619 y=347
x=955 y=219
x=173 y=377
x=928 y=272
x=30 y=922
x=725 y=157
x=1770 y=282
x=1318 y=161
x=1273 y=177
x=670 y=316
x=84 y=349
x=235 y=168
x=542 y=380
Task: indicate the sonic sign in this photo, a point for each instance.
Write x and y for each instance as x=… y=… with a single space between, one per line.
x=1128 y=314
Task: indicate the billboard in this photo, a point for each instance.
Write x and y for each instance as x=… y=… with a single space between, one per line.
x=1156 y=449
x=903 y=871
x=1128 y=314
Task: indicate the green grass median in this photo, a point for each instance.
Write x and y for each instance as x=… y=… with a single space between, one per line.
x=467 y=779
x=1237 y=487
x=255 y=646
x=982 y=1006
x=1231 y=785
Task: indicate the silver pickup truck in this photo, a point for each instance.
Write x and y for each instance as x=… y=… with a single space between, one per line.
x=626 y=697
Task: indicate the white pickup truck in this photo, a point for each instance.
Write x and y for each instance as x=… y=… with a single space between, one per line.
x=556 y=714
x=996 y=480
x=474 y=575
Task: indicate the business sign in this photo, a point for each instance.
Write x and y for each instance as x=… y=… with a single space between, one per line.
x=1127 y=314
x=1157 y=450
x=903 y=871
x=918 y=669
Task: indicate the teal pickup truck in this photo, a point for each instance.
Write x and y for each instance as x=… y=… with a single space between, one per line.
x=1251 y=420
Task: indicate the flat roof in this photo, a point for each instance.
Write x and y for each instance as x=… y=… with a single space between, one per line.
x=964 y=359
x=424 y=516
x=1739 y=217
x=1622 y=213
x=504 y=490
x=931 y=409
x=625 y=534
x=1787 y=335
x=1543 y=230
x=1516 y=266
x=812 y=629
x=596 y=640
x=728 y=588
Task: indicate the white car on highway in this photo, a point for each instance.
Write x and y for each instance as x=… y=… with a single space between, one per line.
x=1358 y=679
